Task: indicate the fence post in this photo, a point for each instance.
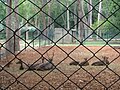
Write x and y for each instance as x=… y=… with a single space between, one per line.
x=33 y=38
x=26 y=37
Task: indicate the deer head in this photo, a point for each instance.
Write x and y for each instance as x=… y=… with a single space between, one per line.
x=50 y=59
x=85 y=59
x=43 y=59
x=105 y=58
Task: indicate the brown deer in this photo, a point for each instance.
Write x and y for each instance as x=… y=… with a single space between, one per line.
x=21 y=65
x=74 y=63
x=29 y=66
x=48 y=65
x=102 y=62
x=84 y=63
x=116 y=47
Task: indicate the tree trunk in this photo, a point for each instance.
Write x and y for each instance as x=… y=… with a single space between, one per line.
x=75 y=18
x=89 y=16
x=99 y=17
x=36 y=18
x=90 y=13
x=68 y=21
x=44 y=22
x=68 y=37
x=9 y=32
x=80 y=24
x=26 y=32
x=49 y=21
x=16 y=26
x=63 y=16
x=85 y=21
x=10 y=46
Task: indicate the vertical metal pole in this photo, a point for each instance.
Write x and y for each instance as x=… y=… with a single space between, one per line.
x=39 y=38
x=33 y=39
x=0 y=52
x=14 y=40
x=68 y=22
x=25 y=40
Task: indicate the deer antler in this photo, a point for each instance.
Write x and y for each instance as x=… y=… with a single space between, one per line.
x=104 y=57
x=43 y=59
x=47 y=55
x=50 y=58
x=53 y=54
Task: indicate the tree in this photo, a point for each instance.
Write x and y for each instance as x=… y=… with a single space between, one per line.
x=80 y=15
x=89 y=5
x=68 y=15
x=75 y=13
x=2 y=10
x=44 y=21
x=16 y=27
x=9 y=32
x=99 y=17
x=12 y=39
x=109 y=8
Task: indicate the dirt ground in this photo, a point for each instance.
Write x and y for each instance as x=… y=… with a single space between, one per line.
x=64 y=77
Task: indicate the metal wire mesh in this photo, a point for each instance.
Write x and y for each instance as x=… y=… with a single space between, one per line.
x=36 y=42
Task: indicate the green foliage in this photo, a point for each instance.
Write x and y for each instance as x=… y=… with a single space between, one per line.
x=2 y=32
x=2 y=10
x=27 y=10
x=111 y=26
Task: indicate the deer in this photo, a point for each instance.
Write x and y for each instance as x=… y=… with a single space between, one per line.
x=84 y=63
x=29 y=66
x=74 y=63
x=102 y=62
x=36 y=66
x=21 y=65
x=48 y=65
x=116 y=47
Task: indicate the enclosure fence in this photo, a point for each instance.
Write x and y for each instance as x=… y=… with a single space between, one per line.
x=38 y=38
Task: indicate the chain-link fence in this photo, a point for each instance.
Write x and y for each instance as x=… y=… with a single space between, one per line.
x=59 y=45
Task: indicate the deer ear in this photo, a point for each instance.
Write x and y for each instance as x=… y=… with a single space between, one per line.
x=85 y=58
x=107 y=58
x=103 y=57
